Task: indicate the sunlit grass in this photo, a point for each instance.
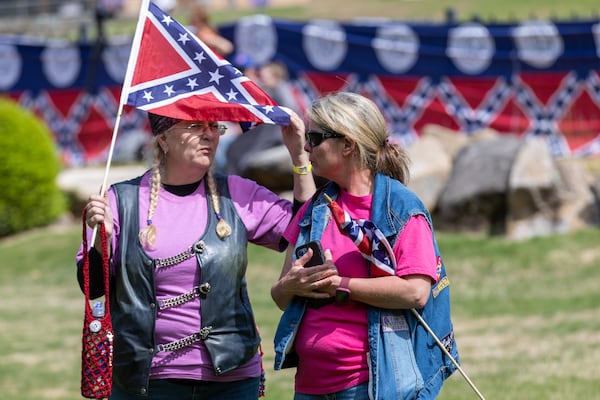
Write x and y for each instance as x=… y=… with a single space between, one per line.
x=526 y=315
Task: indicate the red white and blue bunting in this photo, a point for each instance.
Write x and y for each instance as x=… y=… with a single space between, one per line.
x=531 y=78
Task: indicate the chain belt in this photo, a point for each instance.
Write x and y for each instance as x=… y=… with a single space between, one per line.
x=197 y=291
x=188 y=253
x=186 y=341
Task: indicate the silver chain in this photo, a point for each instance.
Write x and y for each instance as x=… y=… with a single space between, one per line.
x=196 y=291
x=188 y=253
x=203 y=289
x=186 y=341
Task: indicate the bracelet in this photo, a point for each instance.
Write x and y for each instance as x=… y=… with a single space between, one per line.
x=302 y=170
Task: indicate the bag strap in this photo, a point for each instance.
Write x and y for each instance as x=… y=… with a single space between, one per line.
x=86 y=267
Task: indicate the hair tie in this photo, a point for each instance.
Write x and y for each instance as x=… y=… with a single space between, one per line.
x=218 y=216
x=148 y=222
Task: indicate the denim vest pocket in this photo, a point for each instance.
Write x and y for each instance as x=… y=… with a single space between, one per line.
x=396 y=353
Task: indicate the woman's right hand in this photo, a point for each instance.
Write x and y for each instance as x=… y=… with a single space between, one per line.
x=294 y=139
x=98 y=212
x=309 y=281
x=297 y=280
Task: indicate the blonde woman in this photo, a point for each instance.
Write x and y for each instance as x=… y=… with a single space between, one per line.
x=359 y=341
x=178 y=237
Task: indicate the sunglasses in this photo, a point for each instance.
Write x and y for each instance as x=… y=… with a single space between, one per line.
x=315 y=138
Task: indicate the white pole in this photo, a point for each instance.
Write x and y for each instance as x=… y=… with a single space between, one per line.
x=135 y=47
x=108 y=162
x=441 y=346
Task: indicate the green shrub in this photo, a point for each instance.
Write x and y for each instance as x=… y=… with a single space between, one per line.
x=29 y=195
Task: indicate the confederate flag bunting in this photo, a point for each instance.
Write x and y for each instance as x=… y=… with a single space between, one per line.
x=173 y=73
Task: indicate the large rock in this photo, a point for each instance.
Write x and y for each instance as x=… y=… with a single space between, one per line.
x=79 y=183
x=549 y=195
x=579 y=192
x=532 y=194
x=430 y=167
x=474 y=198
x=271 y=168
x=451 y=141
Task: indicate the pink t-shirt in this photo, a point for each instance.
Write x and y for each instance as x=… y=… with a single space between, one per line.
x=332 y=341
x=180 y=221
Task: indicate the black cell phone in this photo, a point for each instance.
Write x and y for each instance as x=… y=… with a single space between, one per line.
x=317 y=258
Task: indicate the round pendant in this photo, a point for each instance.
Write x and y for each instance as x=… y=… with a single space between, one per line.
x=95 y=326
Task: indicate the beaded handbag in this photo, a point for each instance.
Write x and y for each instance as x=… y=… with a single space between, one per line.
x=97 y=340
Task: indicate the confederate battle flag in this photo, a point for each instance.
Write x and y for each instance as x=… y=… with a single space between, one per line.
x=173 y=73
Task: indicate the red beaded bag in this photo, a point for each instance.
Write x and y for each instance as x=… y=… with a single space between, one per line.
x=97 y=341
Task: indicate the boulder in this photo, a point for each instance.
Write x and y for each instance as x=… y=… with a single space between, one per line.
x=532 y=192
x=474 y=198
x=451 y=141
x=549 y=195
x=79 y=183
x=579 y=192
x=271 y=168
x=430 y=167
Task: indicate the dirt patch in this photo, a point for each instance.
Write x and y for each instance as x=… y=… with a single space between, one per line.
x=530 y=345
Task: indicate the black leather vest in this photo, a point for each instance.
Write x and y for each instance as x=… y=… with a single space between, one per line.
x=226 y=311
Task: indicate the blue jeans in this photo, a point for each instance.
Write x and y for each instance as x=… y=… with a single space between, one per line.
x=358 y=392
x=174 y=389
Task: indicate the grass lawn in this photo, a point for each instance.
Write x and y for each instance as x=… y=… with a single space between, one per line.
x=428 y=10
x=408 y=10
x=526 y=315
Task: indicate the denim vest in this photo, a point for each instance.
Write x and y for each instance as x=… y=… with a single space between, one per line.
x=404 y=360
x=226 y=312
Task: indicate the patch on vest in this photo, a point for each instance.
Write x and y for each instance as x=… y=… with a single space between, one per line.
x=393 y=323
x=438 y=268
x=443 y=284
x=448 y=341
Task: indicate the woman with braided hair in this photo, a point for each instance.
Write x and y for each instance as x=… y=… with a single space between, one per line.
x=178 y=236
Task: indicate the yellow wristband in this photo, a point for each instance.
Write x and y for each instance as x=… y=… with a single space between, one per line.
x=302 y=170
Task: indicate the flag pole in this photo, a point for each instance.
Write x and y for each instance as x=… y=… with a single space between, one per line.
x=135 y=46
x=111 y=150
x=447 y=353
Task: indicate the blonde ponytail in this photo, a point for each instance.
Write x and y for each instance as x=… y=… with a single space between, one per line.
x=393 y=161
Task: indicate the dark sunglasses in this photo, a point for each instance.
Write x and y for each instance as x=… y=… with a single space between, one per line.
x=315 y=138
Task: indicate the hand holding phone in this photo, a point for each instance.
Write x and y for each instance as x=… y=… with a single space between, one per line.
x=317 y=258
